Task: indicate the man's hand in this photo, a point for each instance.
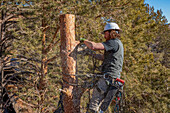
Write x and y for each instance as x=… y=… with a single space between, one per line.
x=82 y=40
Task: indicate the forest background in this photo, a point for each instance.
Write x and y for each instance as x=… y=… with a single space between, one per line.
x=30 y=63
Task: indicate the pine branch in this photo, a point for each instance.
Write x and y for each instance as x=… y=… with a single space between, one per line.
x=8 y=18
x=51 y=44
x=51 y=59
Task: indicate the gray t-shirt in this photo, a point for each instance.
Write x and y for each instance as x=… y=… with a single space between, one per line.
x=113 y=57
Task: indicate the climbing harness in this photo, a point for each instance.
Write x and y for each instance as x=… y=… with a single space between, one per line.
x=114 y=94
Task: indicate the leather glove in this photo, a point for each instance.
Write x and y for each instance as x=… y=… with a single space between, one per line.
x=82 y=40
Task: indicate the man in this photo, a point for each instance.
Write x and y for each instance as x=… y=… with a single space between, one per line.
x=111 y=66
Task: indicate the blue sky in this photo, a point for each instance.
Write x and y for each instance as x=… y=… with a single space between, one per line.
x=164 y=5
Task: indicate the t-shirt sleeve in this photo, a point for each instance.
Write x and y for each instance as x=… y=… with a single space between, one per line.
x=111 y=45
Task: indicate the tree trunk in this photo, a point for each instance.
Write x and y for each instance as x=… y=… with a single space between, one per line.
x=42 y=85
x=71 y=100
x=1 y=63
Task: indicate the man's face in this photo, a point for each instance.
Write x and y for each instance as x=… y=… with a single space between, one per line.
x=107 y=35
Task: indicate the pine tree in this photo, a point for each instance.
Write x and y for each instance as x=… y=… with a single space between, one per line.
x=140 y=61
x=10 y=13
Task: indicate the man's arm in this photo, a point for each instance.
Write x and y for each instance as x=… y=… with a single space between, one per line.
x=99 y=56
x=94 y=46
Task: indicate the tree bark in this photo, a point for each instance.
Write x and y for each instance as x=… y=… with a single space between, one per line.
x=71 y=101
x=1 y=63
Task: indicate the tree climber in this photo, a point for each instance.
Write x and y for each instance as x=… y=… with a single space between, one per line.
x=111 y=66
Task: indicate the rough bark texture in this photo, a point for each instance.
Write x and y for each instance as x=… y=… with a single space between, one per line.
x=68 y=61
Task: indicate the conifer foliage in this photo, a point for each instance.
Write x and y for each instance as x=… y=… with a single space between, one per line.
x=30 y=33
x=10 y=12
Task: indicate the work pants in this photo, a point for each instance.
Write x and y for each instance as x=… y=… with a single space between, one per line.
x=99 y=93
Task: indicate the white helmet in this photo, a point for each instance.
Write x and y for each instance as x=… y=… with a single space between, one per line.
x=110 y=26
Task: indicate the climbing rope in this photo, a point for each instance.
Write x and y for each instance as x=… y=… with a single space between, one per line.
x=90 y=84
x=81 y=76
x=84 y=78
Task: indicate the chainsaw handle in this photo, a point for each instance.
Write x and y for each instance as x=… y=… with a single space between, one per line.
x=120 y=80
